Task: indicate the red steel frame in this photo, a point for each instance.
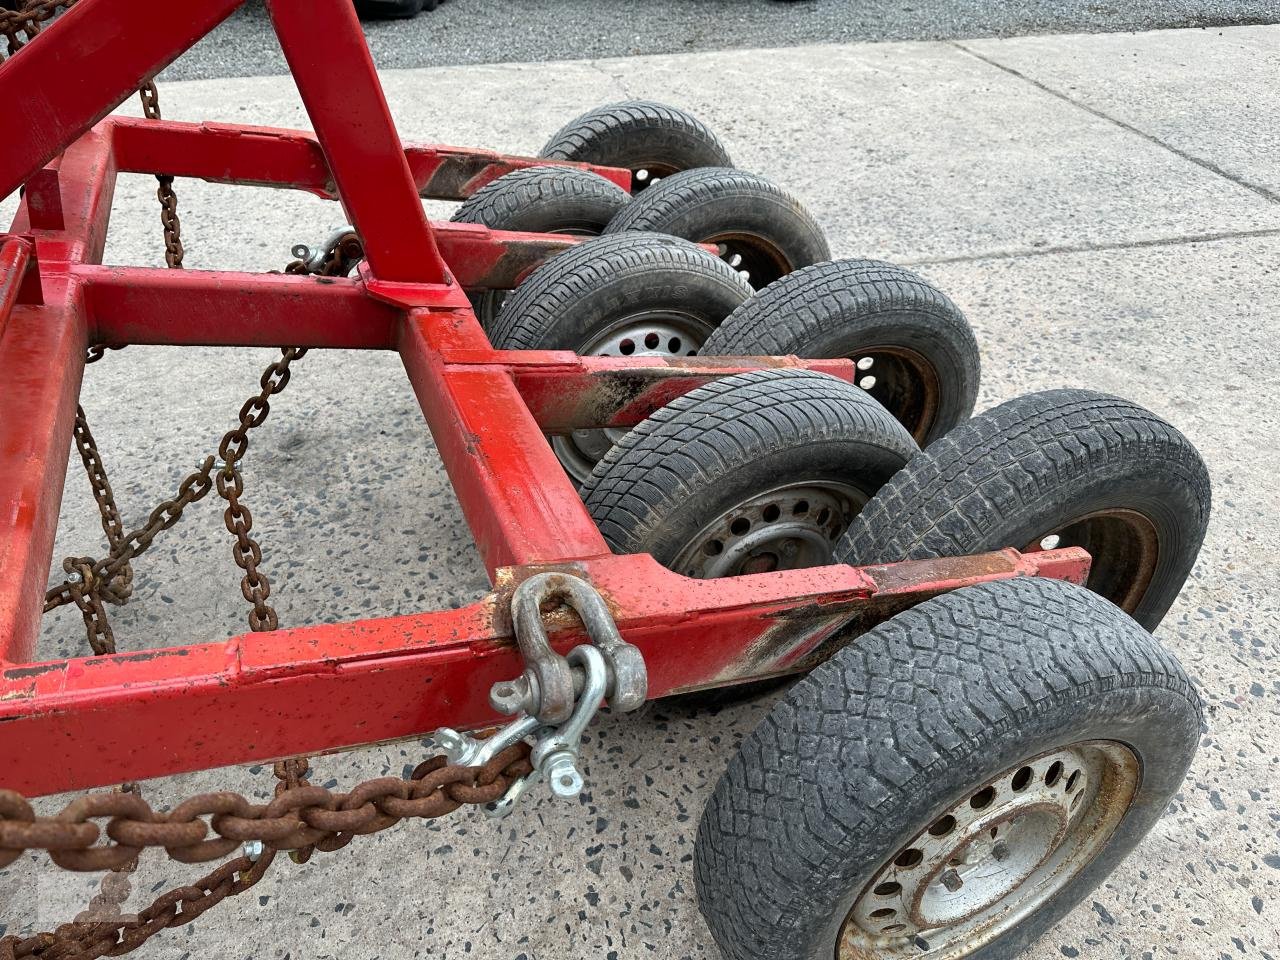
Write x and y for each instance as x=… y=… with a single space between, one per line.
x=73 y=723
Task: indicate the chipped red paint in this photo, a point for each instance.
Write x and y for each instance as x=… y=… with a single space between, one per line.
x=292 y=159
x=74 y=723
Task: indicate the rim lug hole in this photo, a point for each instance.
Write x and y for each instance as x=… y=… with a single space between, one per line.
x=909 y=858
x=943 y=826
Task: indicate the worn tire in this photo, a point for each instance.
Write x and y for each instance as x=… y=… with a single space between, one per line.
x=561 y=303
x=763 y=231
x=650 y=139
x=869 y=750
x=916 y=351
x=539 y=200
x=731 y=439
x=1033 y=468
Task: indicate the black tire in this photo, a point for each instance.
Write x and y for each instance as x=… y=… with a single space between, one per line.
x=630 y=295
x=720 y=445
x=855 y=764
x=539 y=200
x=916 y=351
x=762 y=230
x=1092 y=470
x=580 y=292
x=650 y=139
x=392 y=9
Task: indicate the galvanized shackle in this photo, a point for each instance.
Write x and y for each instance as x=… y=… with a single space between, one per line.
x=549 y=685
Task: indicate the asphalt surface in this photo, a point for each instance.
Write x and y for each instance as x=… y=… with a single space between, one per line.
x=501 y=31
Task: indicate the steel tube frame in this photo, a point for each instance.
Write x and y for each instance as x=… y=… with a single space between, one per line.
x=73 y=723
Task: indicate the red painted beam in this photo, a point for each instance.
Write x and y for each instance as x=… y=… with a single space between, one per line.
x=359 y=139
x=584 y=392
x=222 y=153
x=68 y=204
x=455 y=173
x=17 y=278
x=484 y=259
x=269 y=156
x=519 y=503
x=41 y=363
x=83 y=65
x=213 y=308
x=74 y=723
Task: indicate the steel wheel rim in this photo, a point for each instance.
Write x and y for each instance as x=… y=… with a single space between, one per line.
x=904 y=383
x=654 y=333
x=1124 y=546
x=755 y=257
x=993 y=857
x=785 y=528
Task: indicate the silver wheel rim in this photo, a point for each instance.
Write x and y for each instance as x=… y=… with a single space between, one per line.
x=649 y=334
x=994 y=857
x=786 y=528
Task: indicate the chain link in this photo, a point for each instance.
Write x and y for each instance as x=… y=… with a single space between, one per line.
x=108 y=578
x=28 y=20
x=173 y=252
x=120 y=587
x=90 y=939
x=302 y=817
x=296 y=818
x=255 y=586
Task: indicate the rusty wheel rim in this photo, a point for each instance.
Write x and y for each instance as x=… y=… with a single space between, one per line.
x=904 y=383
x=756 y=258
x=995 y=856
x=1124 y=546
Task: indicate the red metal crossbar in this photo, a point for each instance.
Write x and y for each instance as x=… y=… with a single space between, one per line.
x=73 y=723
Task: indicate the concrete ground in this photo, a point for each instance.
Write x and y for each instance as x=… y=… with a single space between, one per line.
x=502 y=31
x=1104 y=208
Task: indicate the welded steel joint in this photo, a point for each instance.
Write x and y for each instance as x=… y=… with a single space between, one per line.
x=549 y=685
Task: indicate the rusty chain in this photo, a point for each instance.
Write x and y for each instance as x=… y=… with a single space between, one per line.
x=254 y=585
x=87 y=940
x=298 y=817
x=120 y=587
x=173 y=251
x=92 y=581
x=28 y=20
x=302 y=817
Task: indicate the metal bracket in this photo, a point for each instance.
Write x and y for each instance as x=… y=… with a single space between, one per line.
x=549 y=685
